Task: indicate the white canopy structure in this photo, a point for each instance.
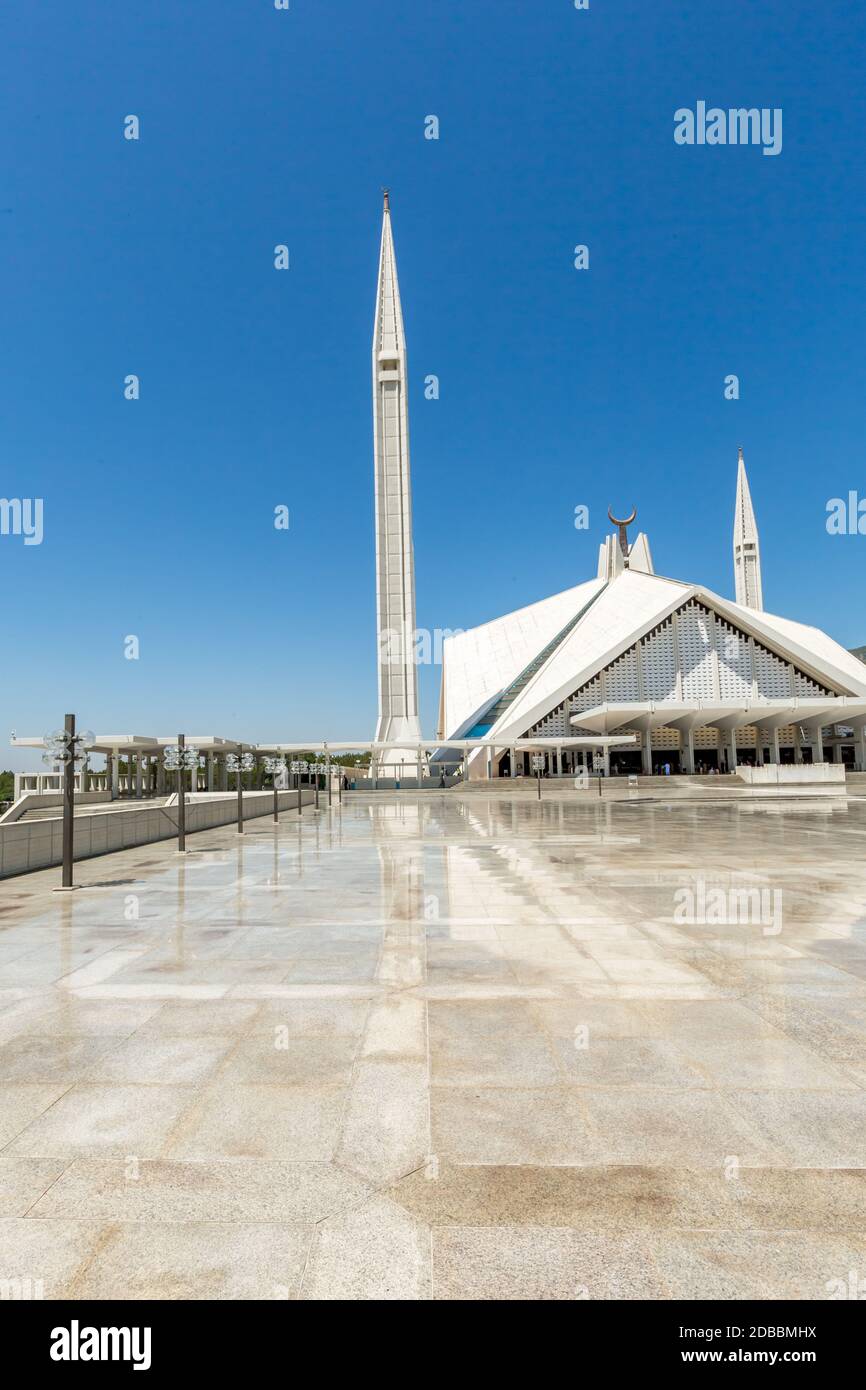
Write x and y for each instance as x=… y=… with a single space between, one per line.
x=145 y=765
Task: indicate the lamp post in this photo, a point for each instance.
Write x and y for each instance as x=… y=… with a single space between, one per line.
x=178 y=758
x=66 y=747
x=314 y=768
x=332 y=770
x=277 y=768
x=240 y=763
x=297 y=767
x=537 y=765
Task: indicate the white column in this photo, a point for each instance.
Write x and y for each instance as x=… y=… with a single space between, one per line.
x=687 y=749
x=817 y=744
x=646 y=752
x=138 y=775
x=115 y=773
x=860 y=747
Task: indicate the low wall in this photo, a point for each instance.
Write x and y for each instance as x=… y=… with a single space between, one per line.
x=38 y=844
x=388 y=784
x=32 y=801
x=792 y=774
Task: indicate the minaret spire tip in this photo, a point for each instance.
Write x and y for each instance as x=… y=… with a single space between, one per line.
x=747 y=548
x=386 y=199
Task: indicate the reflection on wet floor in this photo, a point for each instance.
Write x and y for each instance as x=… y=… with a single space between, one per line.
x=460 y=1046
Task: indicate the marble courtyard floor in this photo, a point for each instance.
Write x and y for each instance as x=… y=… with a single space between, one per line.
x=449 y=1045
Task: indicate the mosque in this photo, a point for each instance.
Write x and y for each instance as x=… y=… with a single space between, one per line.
x=691 y=681
x=705 y=684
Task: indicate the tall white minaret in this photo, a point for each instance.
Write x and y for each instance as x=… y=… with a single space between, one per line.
x=395 y=565
x=747 y=550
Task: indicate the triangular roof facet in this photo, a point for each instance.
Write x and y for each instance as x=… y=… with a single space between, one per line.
x=619 y=613
x=481 y=663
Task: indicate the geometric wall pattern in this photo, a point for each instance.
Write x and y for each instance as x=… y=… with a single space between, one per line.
x=695 y=654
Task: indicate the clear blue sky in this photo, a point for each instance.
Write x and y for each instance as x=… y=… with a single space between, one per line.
x=558 y=387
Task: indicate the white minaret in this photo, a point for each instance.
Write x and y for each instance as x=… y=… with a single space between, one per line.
x=395 y=566
x=747 y=550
